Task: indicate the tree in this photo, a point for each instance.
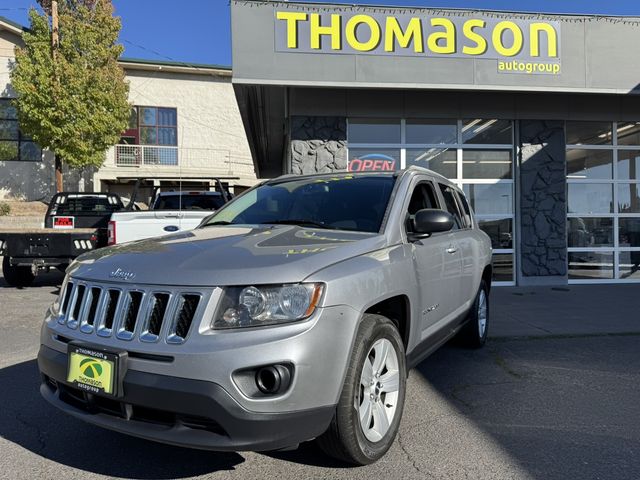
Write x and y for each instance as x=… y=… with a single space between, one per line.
x=71 y=93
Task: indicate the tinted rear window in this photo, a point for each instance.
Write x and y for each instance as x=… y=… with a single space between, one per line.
x=85 y=205
x=189 y=202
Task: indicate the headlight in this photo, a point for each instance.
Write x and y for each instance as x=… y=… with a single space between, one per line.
x=266 y=305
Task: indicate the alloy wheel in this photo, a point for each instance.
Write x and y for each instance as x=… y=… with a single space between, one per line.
x=377 y=397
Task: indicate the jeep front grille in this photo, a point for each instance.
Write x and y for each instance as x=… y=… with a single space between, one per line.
x=153 y=324
x=126 y=313
x=182 y=320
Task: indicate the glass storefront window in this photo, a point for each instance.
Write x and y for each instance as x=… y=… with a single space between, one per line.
x=440 y=160
x=148 y=136
x=8 y=151
x=629 y=198
x=603 y=200
x=629 y=232
x=500 y=231
x=431 y=132
x=483 y=165
x=590 y=265
x=502 y=267
x=590 y=164
x=9 y=130
x=629 y=164
x=589 y=133
x=378 y=159
x=30 y=152
x=363 y=130
x=490 y=199
x=589 y=198
x=167 y=117
x=628 y=133
x=148 y=116
x=629 y=265
x=493 y=164
x=7 y=110
x=14 y=144
x=487 y=131
x=589 y=232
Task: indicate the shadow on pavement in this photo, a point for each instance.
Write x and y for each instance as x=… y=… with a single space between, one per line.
x=29 y=421
x=51 y=279
x=308 y=453
x=558 y=408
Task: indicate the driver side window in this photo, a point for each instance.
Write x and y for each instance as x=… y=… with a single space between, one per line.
x=423 y=196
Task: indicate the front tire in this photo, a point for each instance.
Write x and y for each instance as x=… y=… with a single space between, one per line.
x=369 y=410
x=474 y=333
x=16 y=276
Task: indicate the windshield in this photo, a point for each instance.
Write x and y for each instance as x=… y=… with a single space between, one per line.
x=344 y=203
x=189 y=202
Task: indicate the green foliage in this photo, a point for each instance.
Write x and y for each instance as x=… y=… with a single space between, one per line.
x=8 y=151
x=77 y=106
x=5 y=209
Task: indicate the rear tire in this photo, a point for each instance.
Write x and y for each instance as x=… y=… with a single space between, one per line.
x=369 y=410
x=16 y=276
x=474 y=333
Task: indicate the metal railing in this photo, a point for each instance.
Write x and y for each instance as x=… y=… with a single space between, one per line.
x=215 y=161
x=138 y=155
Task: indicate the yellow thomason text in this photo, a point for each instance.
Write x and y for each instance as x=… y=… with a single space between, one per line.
x=365 y=33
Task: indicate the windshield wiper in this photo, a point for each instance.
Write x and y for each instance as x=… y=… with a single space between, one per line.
x=298 y=222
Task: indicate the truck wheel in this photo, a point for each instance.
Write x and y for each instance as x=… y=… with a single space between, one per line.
x=369 y=410
x=16 y=276
x=474 y=333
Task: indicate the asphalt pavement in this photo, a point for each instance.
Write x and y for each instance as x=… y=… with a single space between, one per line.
x=555 y=394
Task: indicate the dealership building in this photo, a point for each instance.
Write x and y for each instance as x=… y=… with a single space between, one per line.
x=535 y=116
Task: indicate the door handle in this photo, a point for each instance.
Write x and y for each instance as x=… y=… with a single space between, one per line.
x=452 y=249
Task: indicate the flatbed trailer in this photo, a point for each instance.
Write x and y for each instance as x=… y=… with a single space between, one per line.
x=75 y=223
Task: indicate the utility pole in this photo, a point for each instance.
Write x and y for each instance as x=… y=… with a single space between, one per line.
x=55 y=43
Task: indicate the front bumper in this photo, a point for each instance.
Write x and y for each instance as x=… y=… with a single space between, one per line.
x=179 y=411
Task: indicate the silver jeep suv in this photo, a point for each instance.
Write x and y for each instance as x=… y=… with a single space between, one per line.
x=293 y=313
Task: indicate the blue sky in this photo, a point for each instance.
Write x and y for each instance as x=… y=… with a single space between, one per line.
x=198 y=30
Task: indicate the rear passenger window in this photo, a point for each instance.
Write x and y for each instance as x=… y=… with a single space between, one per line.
x=466 y=211
x=451 y=205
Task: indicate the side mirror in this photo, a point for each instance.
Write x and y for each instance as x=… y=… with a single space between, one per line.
x=430 y=220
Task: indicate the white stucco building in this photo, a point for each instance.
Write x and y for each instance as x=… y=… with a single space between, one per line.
x=185 y=124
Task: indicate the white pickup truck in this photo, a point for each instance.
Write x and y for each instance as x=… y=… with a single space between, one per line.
x=170 y=212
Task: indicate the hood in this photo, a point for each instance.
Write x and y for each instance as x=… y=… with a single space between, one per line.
x=225 y=255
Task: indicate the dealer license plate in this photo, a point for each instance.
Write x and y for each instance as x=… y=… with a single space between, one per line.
x=63 y=223
x=93 y=370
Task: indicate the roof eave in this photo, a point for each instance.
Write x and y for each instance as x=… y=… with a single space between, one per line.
x=174 y=67
x=12 y=26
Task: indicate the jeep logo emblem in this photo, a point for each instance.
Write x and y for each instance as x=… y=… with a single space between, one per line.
x=122 y=275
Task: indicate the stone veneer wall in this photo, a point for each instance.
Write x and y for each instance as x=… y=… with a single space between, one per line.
x=543 y=204
x=318 y=144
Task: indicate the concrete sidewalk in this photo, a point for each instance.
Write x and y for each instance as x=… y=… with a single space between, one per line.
x=570 y=310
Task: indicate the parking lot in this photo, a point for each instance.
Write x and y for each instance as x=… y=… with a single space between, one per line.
x=554 y=395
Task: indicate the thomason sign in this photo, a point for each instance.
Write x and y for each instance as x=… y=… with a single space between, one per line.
x=520 y=46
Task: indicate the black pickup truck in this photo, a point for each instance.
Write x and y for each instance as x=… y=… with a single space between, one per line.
x=75 y=222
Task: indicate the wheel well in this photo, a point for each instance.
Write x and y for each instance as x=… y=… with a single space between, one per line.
x=397 y=310
x=487 y=275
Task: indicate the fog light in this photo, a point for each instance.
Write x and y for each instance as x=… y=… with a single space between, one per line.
x=273 y=379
